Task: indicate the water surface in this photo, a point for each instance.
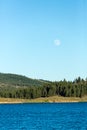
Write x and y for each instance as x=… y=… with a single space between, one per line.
x=43 y=116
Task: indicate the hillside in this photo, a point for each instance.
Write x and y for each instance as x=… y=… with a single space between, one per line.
x=18 y=80
x=18 y=86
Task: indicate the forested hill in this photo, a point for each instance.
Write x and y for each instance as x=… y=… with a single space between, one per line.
x=17 y=86
x=18 y=80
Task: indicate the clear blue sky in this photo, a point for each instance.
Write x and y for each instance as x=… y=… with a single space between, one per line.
x=44 y=39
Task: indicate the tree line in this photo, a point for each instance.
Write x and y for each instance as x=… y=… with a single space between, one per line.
x=76 y=88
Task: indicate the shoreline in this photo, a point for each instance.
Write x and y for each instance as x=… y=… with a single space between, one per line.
x=53 y=99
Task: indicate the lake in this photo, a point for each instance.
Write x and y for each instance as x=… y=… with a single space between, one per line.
x=43 y=116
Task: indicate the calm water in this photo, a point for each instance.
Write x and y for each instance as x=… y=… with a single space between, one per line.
x=56 y=116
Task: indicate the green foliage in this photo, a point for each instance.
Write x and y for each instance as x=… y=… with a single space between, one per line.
x=17 y=86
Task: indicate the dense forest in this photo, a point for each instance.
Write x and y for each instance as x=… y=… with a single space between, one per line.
x=17 y=86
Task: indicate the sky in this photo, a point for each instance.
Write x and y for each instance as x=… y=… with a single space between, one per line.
x=44 y=39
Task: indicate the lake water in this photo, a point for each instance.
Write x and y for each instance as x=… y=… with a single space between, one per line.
x=40 y=116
